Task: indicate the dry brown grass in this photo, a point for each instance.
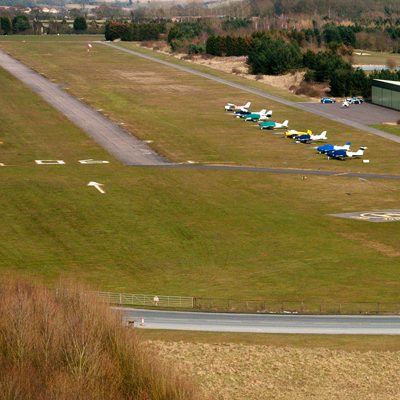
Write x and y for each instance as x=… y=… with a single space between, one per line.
x=237 y=371
x=68 y=345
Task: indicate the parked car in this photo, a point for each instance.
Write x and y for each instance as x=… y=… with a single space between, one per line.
x=355 y=100
x=327 y=100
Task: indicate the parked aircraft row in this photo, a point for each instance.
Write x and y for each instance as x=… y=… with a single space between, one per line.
x=263 y=118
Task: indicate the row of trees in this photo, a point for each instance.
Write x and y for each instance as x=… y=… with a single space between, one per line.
x=228 y=45
x=128 y=31
x=19 y=23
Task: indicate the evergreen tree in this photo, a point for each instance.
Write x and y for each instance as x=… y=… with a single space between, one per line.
x=20 y=23
x=5 y=25
x=80 y=24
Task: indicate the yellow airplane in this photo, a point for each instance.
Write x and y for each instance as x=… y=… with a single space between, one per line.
x=292 y=132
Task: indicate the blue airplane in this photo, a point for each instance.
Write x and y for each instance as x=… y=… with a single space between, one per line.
x=309 y=137
x=242 y=113
x=343 y=154
x=329 y=147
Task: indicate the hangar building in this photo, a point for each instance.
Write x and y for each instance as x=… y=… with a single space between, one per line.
x=386 y=93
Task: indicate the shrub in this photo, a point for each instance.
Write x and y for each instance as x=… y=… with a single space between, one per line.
x=66 y=344
x=20 y=23
x=5 y=25
x=80 y=24
x=273 y=56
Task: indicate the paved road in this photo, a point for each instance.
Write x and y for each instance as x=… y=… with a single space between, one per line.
x=285 y=171
x=123 y=146
x=368 y=113
x=264 y=323
x=261 y=93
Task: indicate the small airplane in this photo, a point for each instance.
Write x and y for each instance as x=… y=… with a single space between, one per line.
x=330 y=147
x=234 y=107
x=310 y=138
x=273 y=125
x=292 y=132
x=241 y=113
x=343 y=154
x=257 y=116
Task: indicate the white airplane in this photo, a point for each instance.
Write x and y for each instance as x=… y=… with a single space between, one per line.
x=233 y=107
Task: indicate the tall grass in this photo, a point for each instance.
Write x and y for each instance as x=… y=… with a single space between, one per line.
x=65 y=344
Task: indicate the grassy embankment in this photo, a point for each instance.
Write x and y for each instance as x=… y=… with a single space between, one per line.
x=67 y=344
x=182 y=114
x=203 y=233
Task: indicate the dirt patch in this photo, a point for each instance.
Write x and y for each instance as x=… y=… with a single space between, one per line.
x=146 y=78
x=382 y=248
x=152 y=79
x=253 y=372
x=238 y=66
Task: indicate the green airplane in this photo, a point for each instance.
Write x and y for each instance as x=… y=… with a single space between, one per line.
x=257 y=116
x=273 y=125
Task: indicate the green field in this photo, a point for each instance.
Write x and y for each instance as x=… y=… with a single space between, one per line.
x=181 y=232
x=183 y=114
x=393 y=129
x=374 y=57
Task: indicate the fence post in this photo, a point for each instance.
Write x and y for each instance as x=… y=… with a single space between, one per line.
x=120 y=299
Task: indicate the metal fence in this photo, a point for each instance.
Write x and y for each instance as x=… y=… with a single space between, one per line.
x=127 y=299
x=251 y=306
x=294 y=307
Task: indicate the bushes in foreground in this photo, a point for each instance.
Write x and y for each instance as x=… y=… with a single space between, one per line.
x=68 y=345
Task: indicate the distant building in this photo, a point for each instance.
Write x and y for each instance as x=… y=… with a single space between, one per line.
x=386 y=93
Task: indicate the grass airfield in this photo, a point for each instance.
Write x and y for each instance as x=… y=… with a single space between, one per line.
x=183 y=232
x=183 y=115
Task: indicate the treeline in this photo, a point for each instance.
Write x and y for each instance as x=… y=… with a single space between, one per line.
x=271 y=55
x=21 y=24
x=228 y=46
x=189 y=36
x=129 y=31
x=354 y=10
x=18 y=24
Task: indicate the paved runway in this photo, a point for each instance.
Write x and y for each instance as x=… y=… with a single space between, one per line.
x=123 y=146
x=265 y=323
x=302 y=106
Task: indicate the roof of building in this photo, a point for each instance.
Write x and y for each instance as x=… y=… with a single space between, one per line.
x=397 y=83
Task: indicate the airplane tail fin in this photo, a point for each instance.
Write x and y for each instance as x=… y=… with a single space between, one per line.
x=323 y=135
x=247 y=105
x=309 y=132
x=263 y=111
x=285 y=123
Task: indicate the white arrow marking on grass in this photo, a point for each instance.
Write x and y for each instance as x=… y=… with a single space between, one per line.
x=97 y=186
x=91 y=161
